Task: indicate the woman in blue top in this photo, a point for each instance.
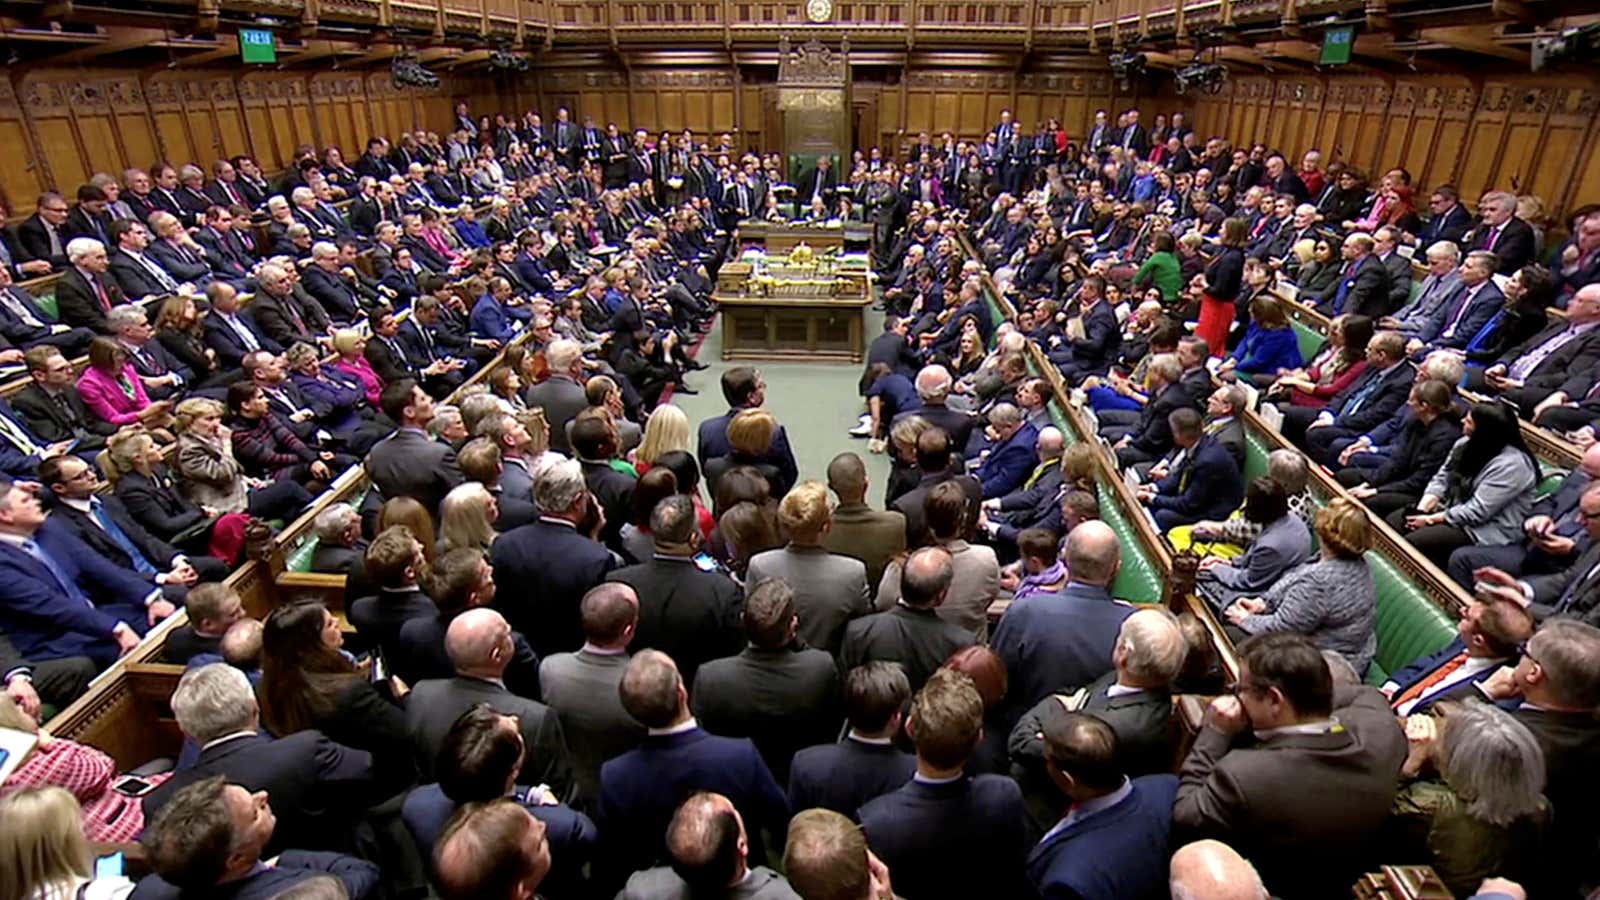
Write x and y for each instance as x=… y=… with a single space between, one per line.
x=1269 y=343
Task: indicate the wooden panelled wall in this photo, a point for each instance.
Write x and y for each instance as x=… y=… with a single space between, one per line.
x=58 y=127
x=1534 y=134
x=890 y=110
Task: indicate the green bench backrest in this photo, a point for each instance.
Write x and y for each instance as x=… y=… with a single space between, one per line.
x=1414 y=290
x=1408 y=624
x=1310 y=340
x=1255 y=457
x=46 y=301
x=1549 y=483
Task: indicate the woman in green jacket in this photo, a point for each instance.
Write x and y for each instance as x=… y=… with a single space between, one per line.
x=1161 y=269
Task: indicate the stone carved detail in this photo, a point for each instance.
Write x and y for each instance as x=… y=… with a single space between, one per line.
x=813 y=63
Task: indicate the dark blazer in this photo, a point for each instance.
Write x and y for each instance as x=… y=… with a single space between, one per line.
x=136 y=280
x=34 y=241
x=691 y=615
x=359 y=877
x=389 y=360
x=156 y=504
x=1049 y=641
x=783 y=700
x=156 y=551
x=572 y=836
x=48 y=419
x=434 y=706
x=918 y=639
x=229 y=346
x=1325 y=795
x=966 y=838
x=1452 y=226
x=957 y=425
x=339 y=299
x=1393 y=389
x=1420 y=669
x=1154 y=435
x=1097 y=349
x=1119 y=853
x=1367 y=289
x=543 y=569
x=408 y=463
x=844 y=776
x=44 y=623
x=1206 y=485
x=713 y=442
x=378 y=618
x=1514 y=248
x=282 y=320
x=641 y=789
x=78 y=304
x=1009 y=462
x=182 y=263
x=614 y=491
x=1140 y=720
x=1418 y=454
x=910 y=503
x=184 y=644
x=1578 y=355
x=19 y=332
x=1570 y=741
x=319 y=789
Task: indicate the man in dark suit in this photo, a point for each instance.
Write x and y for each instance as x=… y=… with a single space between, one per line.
x=912 y=633
x=1093 y=353
x=63 y=599
x=212 y=818
x=843 y=776
x=1292 y=761
x=230 y=330
x=1365 y=404
x=43 y=236
x=325 y=283
x=84 y=293
x=164 y=377
x=858 y=530
x=561 y=396
x=1134 y=137
x=480 y=645
x=1531 y=372
x=640 y=790
x=52 y=410
x=1113 y=840
x=1461 y=316
x=1500 y=232
x=820 y=182
x=1205 y=485
x=938 y=465
x=226 y=251
x=1067 y=638
x=410 y=463
x=322 y=788
x=25 y=325
x=134 y=270
x=744 y=388
x=1448 y=219
x=544 y=566
x=690 y=614
x=32 y=683
x=391 y=564
x=1492 y=629
x=594 y=445
x=1555 y=533
x=1364 y=282
x=1556 y=701
x=276 y=311
x=1148 y=437
x=781 y=695
x=1013 y=454
x=934 y=384
x=912 y=828
x=583 y=686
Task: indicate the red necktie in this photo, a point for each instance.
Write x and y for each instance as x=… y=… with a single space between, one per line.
x=1427 y=683
x=232 y=194
x=100 y=291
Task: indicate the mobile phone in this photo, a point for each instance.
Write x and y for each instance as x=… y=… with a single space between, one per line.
x=133 y=786
x=705 y=562
x=109 y=866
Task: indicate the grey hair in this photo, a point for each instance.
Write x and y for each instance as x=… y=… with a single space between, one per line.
x=125 y=315
x=1484 y=259
x=190 y=171
x=1004 y=414
x=276 y=203
x=559 y=486
x=213 y=701
x=1167 y=366
x=302 y=194
x=443 y=417
x=324 y=248
x=1305 y=209
x=1446 y=250
x=296 y=230
x=333 y=522
x=1569 y=652
x=1445 y=367
x=1502 y=198
x=1492 y=762
x=80 y=247
x=1153 y=644
x=562 y=353
x=933 y=382
x=1236 y=397
x=1289 y=469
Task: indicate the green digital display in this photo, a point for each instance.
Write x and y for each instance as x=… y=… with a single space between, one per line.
x=1337 y=44
x=257 y=45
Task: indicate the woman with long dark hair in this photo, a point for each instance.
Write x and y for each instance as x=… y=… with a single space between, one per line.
x=1482 y=492
x=1340 y=362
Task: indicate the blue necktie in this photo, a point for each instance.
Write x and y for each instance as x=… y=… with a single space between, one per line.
x=1362 y=395
x=67 y=585
x=1486 y=333
x=120 y=538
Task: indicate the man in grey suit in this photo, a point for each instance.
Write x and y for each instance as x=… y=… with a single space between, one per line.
x=480 y=646
x=582 y=687
x=708 y=850
x=1135 y=699
x=911 y=633
x=1289 y=761
x=409 y=463
x=780 y=696
x=858 y=530
x=561 y=396
x=829 y=590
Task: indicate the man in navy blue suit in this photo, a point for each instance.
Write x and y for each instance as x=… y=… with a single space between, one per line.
x=21 y=450
x=1205 y=485
x=1491 y=629
x=62 y=599
x=743 y=388
x=642 y=789
x=843 y=776
x=212 y=819
x=1050 y=640
x=1012 y=455
x=947 y=833
x=1112 y=841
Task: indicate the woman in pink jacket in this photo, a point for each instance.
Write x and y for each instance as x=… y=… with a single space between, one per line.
x=112 y=390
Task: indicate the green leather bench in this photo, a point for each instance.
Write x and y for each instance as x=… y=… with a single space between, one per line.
x=1310 y=339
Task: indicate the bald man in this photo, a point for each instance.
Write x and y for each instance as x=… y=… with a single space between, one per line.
x=859 y=531
x=709 y=852
x=1063 y=638
x=1211 y=870
x=480 y=646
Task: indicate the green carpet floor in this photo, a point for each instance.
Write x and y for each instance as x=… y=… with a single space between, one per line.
x=816 y=402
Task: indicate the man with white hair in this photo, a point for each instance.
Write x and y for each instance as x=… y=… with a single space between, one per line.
x=1012 y=456
x=543 y=567
x=933 y=386
x=562 y=395
x=480 y=647
x=162 y=374
x=1211 y=870
x=306 y=213
x=339 y=541
x=1500 y=232
x=1416 y=319
x=85 y=293
x=321 y=789
x=328 y=286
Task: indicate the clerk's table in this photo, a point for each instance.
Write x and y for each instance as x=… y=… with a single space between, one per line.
x=801 y=306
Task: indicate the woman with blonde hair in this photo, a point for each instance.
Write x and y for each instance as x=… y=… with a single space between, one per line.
x=210 y=477
x=466 y=518
x=666 y=430
x=137 y=471
x=750 y=435
x=43 y=852
x=351 y=345
x=109 y=816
